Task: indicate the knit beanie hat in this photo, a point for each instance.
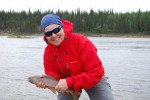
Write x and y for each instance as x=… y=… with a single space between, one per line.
x=50 y=19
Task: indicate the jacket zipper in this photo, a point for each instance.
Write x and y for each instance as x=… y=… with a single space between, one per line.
x=67 y=66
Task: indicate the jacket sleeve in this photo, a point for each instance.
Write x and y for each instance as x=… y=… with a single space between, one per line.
x=94 y=70
x=50 y=65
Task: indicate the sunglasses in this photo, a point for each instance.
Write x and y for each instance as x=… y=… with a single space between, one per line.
x=55 y=31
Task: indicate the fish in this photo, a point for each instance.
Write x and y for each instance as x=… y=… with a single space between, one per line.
x=50 y=83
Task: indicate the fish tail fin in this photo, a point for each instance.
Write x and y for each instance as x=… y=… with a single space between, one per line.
x=74 y=95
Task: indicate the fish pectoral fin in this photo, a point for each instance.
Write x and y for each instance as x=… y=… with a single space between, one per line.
x=53 y=90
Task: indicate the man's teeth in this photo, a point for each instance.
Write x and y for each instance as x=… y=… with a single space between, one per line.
x=55 y=39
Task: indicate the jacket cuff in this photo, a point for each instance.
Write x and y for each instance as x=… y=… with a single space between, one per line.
x=69 y=82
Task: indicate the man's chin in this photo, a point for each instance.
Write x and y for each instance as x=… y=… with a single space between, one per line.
x=56 y=43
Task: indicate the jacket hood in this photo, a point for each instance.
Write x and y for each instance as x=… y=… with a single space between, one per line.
x=67 y=26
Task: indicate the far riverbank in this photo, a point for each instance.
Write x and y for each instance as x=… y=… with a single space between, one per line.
x=130 y=35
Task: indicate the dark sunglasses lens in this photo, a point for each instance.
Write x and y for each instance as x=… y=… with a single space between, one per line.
x=48 y=34
x=57 y=29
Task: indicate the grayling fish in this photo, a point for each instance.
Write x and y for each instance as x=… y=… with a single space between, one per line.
x=50 y=83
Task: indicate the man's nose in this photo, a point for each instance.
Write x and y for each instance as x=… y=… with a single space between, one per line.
x=53 y=34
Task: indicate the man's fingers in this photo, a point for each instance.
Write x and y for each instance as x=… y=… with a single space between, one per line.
x=41 y=85
x=59 y=89
x=42 y=75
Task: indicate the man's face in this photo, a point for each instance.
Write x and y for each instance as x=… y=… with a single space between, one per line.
x=54 y=34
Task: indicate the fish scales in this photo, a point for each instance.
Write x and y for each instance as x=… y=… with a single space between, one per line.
x=50 y=83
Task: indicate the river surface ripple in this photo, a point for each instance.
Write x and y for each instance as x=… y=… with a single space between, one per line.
x=126 y=62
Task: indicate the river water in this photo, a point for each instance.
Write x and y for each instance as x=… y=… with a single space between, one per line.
x=126 y=62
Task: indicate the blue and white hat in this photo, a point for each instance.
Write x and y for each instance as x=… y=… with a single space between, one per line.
x=50 y=19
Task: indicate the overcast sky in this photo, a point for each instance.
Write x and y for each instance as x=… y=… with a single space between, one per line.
x=69 y=5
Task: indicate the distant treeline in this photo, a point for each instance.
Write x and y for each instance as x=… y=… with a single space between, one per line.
x=87 y=22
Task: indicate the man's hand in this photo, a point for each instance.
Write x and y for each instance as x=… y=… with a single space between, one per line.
x=62 y=85
x=41 y=84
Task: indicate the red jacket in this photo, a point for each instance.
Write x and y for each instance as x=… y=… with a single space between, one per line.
x=75 y=60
